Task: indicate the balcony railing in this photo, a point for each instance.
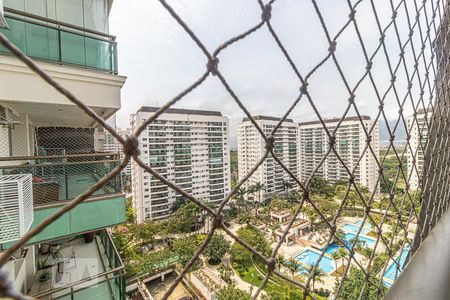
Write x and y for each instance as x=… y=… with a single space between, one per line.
x=45 y=39
x=58 y=178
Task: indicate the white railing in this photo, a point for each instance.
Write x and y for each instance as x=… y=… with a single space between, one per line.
x=16 y=206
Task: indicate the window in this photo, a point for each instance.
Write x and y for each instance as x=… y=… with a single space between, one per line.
x=91 y=14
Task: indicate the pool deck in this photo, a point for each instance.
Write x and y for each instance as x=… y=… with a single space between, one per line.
x=293 y=250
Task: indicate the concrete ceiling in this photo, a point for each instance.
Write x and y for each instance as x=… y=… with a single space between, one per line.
x=44 y=114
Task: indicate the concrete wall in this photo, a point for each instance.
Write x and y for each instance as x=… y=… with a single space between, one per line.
x=21 y=270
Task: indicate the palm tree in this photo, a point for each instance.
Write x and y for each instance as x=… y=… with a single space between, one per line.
x=240 y=193
x=293 y=265
x=357 y=243
x=287 y=185
x=279 y=260
x=339 y=236
x=257 y=187
x=317 y=275
x=342 y=254
x=335 y=256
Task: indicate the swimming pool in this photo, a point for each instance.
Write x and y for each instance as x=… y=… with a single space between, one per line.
x=332 y=248
x=352 y=228
x=367 y=241
x=359 y=222
x=310 y=257
x=393 y=271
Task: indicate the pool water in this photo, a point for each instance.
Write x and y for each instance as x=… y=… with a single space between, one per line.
x=352 y=228
x=310 y=257
x=359 y=222
x=367 y=241
x=331 y=248
x=393 y=268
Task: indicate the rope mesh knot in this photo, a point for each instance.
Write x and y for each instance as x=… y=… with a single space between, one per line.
x=270 y=143
x=131 y=147
x=213 y=65
x=266 y=13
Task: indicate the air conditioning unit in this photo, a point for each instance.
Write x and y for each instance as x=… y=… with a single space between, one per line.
x=16 y=206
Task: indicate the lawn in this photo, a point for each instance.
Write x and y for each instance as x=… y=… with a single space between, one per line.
x=276 y=287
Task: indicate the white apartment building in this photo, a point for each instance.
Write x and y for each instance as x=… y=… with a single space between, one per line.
x=251 y=147
x=418 y=135
x=350 y=145
x=190 y=148
x=106 y=142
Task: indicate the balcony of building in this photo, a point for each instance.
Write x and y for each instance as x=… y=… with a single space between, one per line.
x=81 y=59
x=56 y=145
x=57 y=179
x=78 y=268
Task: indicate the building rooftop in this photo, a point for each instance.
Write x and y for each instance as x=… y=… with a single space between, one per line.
x=181 y=111
x=259 y=117
x=333 y=120
x=422 y=110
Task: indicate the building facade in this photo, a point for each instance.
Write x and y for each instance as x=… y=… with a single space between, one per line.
x=190 y=148
x=106 y=142
x=251 y=147
x=47 y=150
x=418 y=129
x=350 y=145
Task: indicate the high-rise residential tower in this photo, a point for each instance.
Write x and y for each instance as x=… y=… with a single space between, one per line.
x=418 y=129
x=190 y=148
x=48 y=155
x=350 y=145
x=251 y=147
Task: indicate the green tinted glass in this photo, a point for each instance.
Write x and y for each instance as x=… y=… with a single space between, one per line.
x=15 y=33
x=98 y=54
x=72 y=48
x=42 y=42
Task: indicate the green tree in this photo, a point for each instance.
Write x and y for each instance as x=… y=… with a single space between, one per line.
x=335 y=256
x=293 y=266
x=241 y=192
x=185 y=219
x=243 y=217
x=129 y=213
x=316 y=274
x=355 y=282
x=252 y=236
x=217 y=247
x=185 y=249
x=279 y=260
x=179 y=202
x=258 y=187
x=240 y=256
x=286 y=186
x=318 y=185
x=342 y=254
x=231 y=292
x=339 y=236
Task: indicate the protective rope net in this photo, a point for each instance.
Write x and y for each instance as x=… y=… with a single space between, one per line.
x=412 y=44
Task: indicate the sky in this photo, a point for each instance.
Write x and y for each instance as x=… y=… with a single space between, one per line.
x=160 y=59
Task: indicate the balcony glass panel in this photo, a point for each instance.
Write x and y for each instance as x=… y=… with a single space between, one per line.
x=41 y=42
x=72 y=48
x=44 y=42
